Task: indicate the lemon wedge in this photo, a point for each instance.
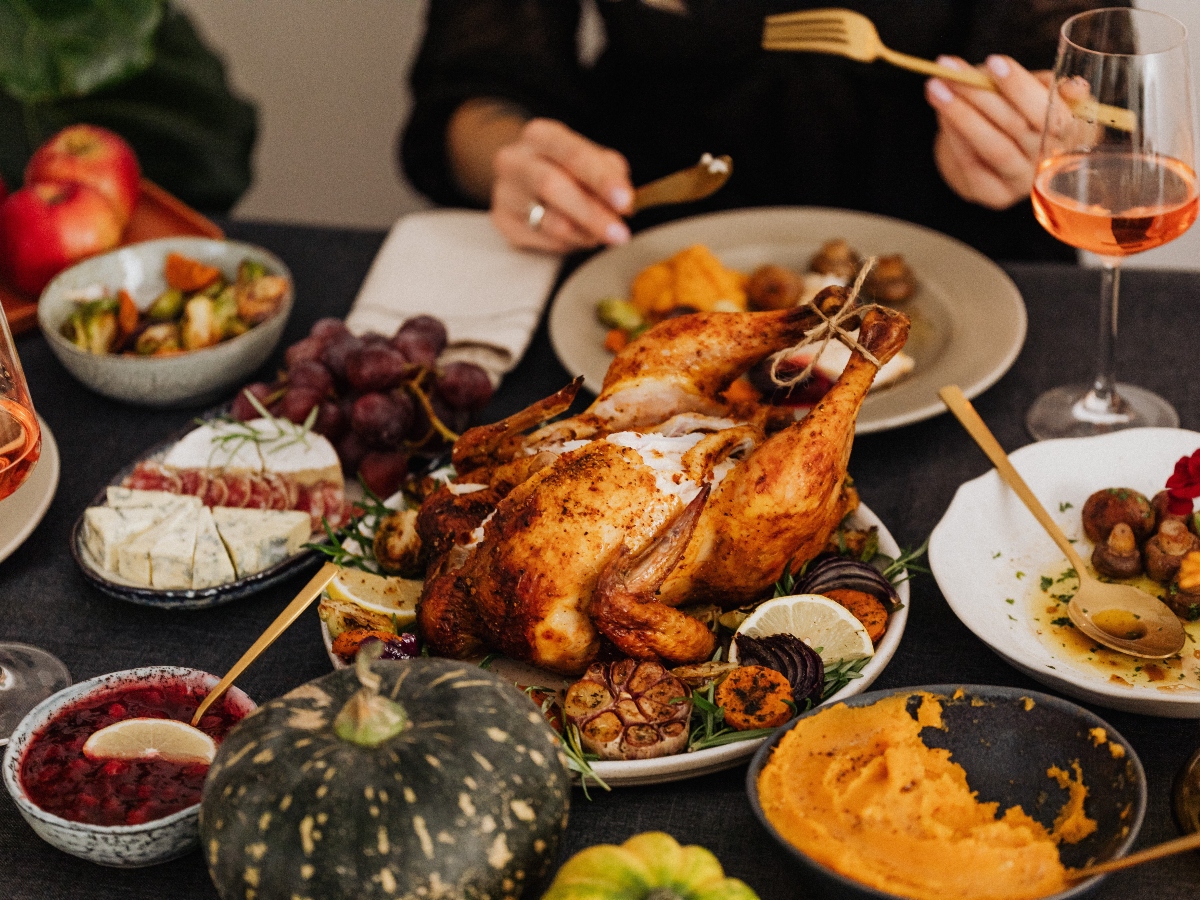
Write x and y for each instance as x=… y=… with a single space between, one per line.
x=144 y=738
x=358 y=599
x=826 y=626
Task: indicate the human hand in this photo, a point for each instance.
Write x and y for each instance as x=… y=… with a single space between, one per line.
x=582 y=188
x=987 y=143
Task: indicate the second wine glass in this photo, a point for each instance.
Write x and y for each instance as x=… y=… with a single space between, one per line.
x=1116 y=176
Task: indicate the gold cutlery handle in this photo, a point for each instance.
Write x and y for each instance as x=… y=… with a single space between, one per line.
x=969 y=76
x=1158 y=851
x=290 y=613
x=958 y=404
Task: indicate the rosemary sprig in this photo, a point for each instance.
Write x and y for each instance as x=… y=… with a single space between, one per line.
x=840 y=674
x=708 y=728
x=901 y=568
x=357 y=532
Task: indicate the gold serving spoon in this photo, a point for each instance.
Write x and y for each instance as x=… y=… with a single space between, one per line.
x=1119 y=616
x=693 y=183
x=290 y=613
x=145 y=736
x=1158 y=851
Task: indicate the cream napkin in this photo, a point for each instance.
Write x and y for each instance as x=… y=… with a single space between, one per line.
x=454 y=265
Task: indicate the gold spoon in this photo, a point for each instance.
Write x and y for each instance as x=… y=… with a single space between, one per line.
x=693 y=183
x=1119 y=616
x=148 y=733
x=1158 y=851
x=290 y=613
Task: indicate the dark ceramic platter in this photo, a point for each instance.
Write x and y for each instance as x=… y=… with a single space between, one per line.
x=1006 y=750
x=201 y=598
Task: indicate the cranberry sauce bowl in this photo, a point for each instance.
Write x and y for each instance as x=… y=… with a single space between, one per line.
x=124 y=813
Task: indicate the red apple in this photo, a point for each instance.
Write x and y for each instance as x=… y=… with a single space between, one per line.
x=93 y=156
x=45 y=227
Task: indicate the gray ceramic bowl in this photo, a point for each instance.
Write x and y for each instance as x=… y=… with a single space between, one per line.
x=123 y=846
x=1006 y=749
x=199 y=376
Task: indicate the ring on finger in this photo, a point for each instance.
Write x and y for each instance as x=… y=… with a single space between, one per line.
x=537 y=212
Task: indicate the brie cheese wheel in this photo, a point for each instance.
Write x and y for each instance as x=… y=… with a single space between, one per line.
x=223 y=445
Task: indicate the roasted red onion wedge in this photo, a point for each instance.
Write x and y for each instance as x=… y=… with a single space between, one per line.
x=833 y=572
x=629 y=710
x=787 y=654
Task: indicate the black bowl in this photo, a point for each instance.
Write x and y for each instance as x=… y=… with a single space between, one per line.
x=1006 y=750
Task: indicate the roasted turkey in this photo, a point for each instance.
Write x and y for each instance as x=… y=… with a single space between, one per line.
x=597 y=527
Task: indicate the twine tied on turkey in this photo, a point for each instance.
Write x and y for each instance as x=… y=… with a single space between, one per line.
x=831 y=326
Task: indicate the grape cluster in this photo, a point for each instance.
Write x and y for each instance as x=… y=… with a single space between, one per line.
x=379 y=400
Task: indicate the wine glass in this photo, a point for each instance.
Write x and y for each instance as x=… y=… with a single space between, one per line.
x=27 y=674
x=1116 y=176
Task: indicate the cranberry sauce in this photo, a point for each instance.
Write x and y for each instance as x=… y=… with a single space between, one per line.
x=61 y=780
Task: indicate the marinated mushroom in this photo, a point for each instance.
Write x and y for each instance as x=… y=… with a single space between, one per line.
x=1118 y=557
x=1158 y=503
x=836 y=258
x=890 y=280
x=1183 y=595
x=773 y=287
x=1107 y=507
x=1167 y=548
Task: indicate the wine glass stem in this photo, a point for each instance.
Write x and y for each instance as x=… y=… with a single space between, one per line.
x=1102 y=398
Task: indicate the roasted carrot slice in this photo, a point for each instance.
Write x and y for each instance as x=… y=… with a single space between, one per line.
x=615 y=340
x=186 y=274
x=127 y=314
x=865 y=607
x=347 y=643
x=755 y=697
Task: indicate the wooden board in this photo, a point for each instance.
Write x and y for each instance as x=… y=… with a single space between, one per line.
x=157 y=214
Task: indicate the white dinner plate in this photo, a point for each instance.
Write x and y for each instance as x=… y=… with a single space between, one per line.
x=715 y=759
x=988 y=555
x=24 y=508
x=968 y=317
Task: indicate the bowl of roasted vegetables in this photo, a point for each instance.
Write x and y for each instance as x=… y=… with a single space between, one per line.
x=171 y=322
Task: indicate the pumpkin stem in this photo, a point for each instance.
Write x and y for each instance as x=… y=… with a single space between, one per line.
x=663 y=893
x=369 y=718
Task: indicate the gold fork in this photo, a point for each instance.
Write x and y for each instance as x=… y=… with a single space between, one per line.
x=843 y=32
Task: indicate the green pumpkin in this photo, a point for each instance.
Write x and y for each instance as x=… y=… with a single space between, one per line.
x=424 y=777
x=650 y=866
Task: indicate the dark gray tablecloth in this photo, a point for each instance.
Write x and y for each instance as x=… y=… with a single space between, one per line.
x=907 y=476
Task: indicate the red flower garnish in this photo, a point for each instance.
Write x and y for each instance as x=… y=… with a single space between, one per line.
x=1184 y=485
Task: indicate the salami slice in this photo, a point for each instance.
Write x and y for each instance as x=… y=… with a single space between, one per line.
x=238 y=490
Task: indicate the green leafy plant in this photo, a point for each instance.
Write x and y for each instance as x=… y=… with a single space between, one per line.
x=58 y=49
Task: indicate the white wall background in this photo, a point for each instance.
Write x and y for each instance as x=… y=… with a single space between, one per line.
x=330 y=81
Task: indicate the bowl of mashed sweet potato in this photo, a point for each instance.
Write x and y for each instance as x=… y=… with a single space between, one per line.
x=972 y=792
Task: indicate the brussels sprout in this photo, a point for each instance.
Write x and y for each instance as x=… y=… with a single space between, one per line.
x=93 y=326
x=199 y=326
x=617 y=313
x=259 y=299
x=160 y=338
x=225 y=314
x=248 y=270
x=167 y=307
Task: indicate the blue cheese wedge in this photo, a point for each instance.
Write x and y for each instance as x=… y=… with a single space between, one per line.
x=106 y=528
x=211 y=565
x=259 y=538
x=134 y=556
x=173 y=554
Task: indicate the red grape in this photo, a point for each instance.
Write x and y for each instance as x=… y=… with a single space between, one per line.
x=383 y=471
x=430 y=329
x=350 y=450
x=336 y=353
x=465 y=386
x=243 y=410
x=308 y=348
x=325 y=330
x=331 y=421
x=382 y=420
x=376 y=367
x=416 y=347
x=312 y=375
x=297 y=403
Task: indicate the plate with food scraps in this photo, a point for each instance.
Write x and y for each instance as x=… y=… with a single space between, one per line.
x=397 y=603
x=1007 y=581
x=968 y=317
x=217 y=512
